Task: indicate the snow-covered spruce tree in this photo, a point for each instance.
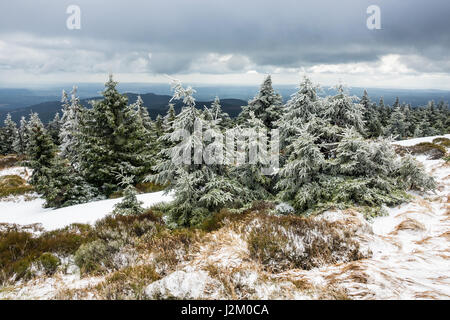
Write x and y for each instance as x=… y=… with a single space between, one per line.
x=331 y=164
x=266 y=105
x=113 y=140
x=150 y=134
x=159 y=126
x=218 y=114
x=168 y=119
x=200 y=187
x=370 y=117
x=143 y=114
x=70 y=131
x=342 y=111
x=252 y=159
x=397 y=125
x=184 y=122
x=10 y=134
x=299 y=110
x=65 y=186
x=298 y=178
x=3 y=143
x=54 y=129
x=21 y=142
x=129 y=204
x=40 y=151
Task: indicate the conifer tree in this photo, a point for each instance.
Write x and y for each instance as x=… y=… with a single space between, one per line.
x=70 y=131
x=200 y=188
x=168 y=119
x=299 y=110
x=114 y=140
x=219 y=115
x=54 y=129
x=143 y=114
x=10 y=134
x=129 y=204
x=41 y=152
x=64 y=186
x=21 y=142
x=266 y=105
x=397 y=124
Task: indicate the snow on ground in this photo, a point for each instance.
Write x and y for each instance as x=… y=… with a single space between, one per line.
x=410 y=246
x=22 y=172
x=24 y=212
x=411 y=142
x=410 y=255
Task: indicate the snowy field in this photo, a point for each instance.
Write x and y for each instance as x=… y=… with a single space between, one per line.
x=24 y=212
x=411 y=142
x=410 y=251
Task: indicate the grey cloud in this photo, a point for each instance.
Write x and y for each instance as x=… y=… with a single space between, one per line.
x=180 y=33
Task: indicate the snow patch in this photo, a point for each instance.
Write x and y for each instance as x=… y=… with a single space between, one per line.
x=25 y=212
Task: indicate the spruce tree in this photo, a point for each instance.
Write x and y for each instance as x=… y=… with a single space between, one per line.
x=54 y=129
x=64 y=186
x=266 y=105
x=70 y=131
x=219 y=115
x=129 y=204
x=200 y=188
x=397 y=124
x=40 y=151
x=299 y=110
x=114 y=140
x=21 y=142
x=10 y=135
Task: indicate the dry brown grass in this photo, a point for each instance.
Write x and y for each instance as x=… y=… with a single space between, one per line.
x=9 y=161
x=127 y=283
x=409 y=224
x=281 y=243
x=13 y=185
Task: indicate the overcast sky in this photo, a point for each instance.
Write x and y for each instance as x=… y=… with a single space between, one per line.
x=227 y=42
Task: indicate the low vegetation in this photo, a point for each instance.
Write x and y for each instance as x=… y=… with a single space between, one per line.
x=282 y=243
x=9 y=161
x=434 y=150
x=13 y=185
x=20 y=249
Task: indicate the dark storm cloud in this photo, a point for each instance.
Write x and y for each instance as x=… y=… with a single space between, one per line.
x=283 y=33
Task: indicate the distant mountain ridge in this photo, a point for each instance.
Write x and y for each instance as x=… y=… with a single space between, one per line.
x=156 y=104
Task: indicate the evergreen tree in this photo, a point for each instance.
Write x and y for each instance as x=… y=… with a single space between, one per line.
x=10 y=135
x=200 y=188
x=70 y=127
x=21 y=142
x=143 y=114
x=40 y=151
x=217 y=114
x=64 y=186
x=168 y=119
x=341 y=111
x=299 y=110
x=397 y=124
x=370 y=117
x=252 y=167
x=129 y=204
x=54 y=129
x=266 y=105
x=114 y=140
x=159 y=126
